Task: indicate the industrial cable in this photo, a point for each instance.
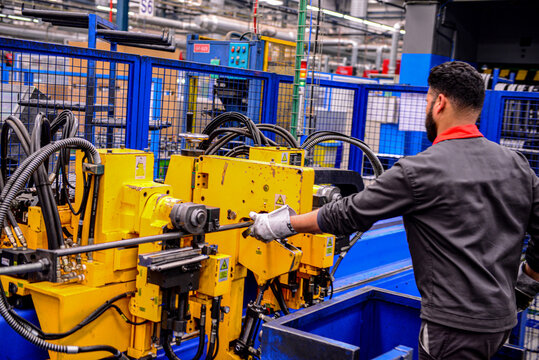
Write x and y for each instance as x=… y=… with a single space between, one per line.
x=45 y=196
x=282 y=132
x=343 y=253
x=169 y=352
x=214 y=333
x=231 y=117
x=238 y=151
x=275 y=287
x=371 y=156
x=320 y=133
x=13 y=186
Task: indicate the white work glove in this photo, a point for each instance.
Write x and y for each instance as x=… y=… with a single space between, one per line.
x=273 y=225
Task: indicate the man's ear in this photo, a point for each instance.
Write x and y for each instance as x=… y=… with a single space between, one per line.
x=440 y=103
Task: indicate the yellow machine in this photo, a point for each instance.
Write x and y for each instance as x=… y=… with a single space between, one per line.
x=173 y=257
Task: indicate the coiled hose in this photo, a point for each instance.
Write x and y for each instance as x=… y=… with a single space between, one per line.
x=282 y=132
x=13 y=186
x=373 y=159
x=228 y=117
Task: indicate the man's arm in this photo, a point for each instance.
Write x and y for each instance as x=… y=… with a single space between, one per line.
x=306 y=223
x=390 y=195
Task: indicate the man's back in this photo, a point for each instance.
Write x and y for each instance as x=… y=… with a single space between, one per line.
x=473 y=199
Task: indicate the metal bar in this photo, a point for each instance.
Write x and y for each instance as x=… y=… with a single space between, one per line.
x=138 y=241
x=23 y=269
x=36 y=47
x=117 y=244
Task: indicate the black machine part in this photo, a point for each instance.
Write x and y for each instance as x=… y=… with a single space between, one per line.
x=348 y=181
x=189 y=217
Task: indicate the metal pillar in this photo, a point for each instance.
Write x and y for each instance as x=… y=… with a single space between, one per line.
x=299 y=85
x=122 y=15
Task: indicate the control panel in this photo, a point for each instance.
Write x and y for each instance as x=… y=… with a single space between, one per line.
x=239 y=55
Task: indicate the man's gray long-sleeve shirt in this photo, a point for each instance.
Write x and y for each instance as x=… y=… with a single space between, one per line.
x=467 y=205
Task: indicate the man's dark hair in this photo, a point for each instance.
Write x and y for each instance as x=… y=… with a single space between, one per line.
x=460 y=82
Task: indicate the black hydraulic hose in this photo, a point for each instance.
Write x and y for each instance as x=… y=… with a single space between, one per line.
x=89 y=319
x=202 y=333
x=41 y=134
x=343 y=253
x=93 y=211
x=373 y=159
x=169 y=352
x=230 y=134
x=275 y=287
x=320 y=133
x=238 y=150
x=214 y=334
x=22 y=134
x=282 y=132
x=17 y=181
x=231 y=117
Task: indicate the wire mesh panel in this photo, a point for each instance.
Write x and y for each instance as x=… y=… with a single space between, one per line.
x=179 y=96
x=74 y=91
x=325 y=108
x=394 y=126
x=96 y=92
x=520 y=128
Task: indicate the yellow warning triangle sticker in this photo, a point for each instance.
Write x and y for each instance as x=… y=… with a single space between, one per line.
x=284 y=158
x=224 y=265
x=330 y=242
x=280 y=200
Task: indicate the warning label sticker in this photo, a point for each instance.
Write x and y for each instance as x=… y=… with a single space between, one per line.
x=223 y=269
x=280 y=200
x=329 y=245
x=140 y=167
x=284 y=158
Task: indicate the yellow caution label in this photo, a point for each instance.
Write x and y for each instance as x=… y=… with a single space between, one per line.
x=329 y=246
x=280 y=200
x=223 y=269
x=284 y=158
x=140 y=167
x=504 y=73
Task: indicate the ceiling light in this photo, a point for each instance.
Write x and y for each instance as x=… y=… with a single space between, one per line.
x=332 y=13
x=354 y=19
x=272 y=2
x=14 y=17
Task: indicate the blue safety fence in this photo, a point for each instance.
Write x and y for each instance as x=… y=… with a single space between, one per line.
x=392 y=122
x=144 y=103
x=181 y=94
x=513 y=121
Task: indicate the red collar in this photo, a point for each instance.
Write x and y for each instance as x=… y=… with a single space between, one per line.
x=458 y=132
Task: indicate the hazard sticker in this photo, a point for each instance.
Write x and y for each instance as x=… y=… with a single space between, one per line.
x=280 y=200
x=140 y=167
x=223 y=269
x=329 y=245
x=284 y=158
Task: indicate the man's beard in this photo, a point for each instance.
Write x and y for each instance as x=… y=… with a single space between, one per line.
x=430 y=125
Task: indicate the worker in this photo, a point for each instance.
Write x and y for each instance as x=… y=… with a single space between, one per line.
x=467 y=204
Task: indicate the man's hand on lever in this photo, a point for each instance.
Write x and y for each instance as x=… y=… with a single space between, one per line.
x=282 y=223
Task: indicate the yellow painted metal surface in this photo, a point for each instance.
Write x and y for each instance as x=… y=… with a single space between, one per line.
x=215 y=276
x=22 y=288
x=181 y=175
x=278 y=154
x=317 y=249
x=61 y=307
